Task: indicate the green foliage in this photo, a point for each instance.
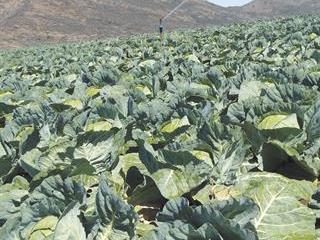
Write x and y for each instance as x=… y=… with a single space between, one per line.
x=212 y=135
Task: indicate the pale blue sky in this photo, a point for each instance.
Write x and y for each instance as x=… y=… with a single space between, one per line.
x=227 y=3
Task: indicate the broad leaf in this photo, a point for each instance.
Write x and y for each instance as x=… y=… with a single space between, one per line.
x=174 y=173
x=117 y=219
x=221 y=220
x=283 y=214
x=69 y=226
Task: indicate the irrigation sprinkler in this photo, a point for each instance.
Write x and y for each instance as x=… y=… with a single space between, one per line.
x=163 y=19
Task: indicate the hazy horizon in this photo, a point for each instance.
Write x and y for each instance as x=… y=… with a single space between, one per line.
x=229 y=3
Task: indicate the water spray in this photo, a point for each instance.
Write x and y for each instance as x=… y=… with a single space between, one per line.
x=162 y=19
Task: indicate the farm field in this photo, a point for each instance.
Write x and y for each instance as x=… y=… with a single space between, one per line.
x=211 y=134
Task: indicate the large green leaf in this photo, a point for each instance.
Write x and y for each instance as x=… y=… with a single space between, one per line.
x=117 y=219
x=100 y=149
x=228 y=148
x=49 y=199
x=69 y=226
x=221 y=220
x=43 y=159
x=283 y=214
x=311 y=122
x=7 y=155
x=250 y=89
x=181 y=230
x=174 y=173
x=11 y=197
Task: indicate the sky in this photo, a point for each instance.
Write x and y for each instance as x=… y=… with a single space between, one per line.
x=228 y=3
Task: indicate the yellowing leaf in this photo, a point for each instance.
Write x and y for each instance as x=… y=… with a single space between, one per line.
x=258 y=50
x=203 y=156
x=144 y=89
x=200 y=86
x=279 y=121
x=75 y=103
x=126 y=77
x=313 y=36
x=24 y=132
x=173 y=125
x=93 y=91
x=98 y=126
x=4 y=94
x=44 y=228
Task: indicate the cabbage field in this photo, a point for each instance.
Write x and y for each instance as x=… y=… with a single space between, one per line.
x=213 y=134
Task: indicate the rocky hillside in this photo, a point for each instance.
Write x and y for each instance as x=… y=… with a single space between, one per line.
x=30 y=22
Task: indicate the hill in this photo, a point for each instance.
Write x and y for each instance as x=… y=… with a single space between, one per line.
x=270 y=8
x=29 y=22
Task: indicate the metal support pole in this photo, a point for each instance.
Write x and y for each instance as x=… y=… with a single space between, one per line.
x=161 y=29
